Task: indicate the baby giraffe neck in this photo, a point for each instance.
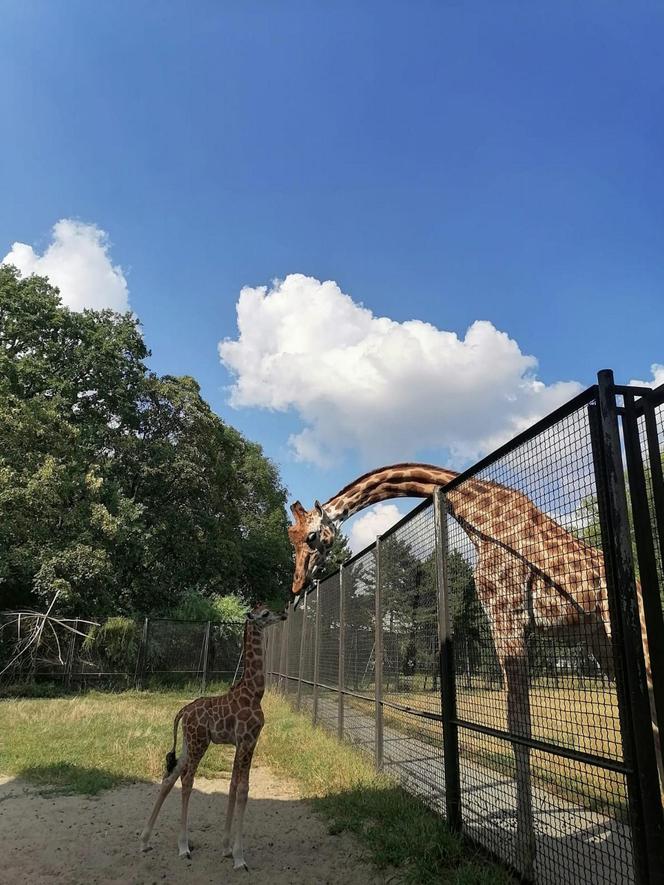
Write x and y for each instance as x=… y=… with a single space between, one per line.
x=253 y=675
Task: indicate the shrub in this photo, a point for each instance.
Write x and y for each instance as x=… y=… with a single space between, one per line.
x=114 y=643
x=194 y=606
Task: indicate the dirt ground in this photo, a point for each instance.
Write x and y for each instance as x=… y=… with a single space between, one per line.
x=78 y=840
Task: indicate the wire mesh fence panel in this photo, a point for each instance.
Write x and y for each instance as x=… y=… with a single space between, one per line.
x=107 y=656
x=175 y=651
x=225 y=662
x=33 y=649
x=328 y=651
x=358 y=582
x=412 y=733
x=308 y=653
x=273 y=642
x=121 y=652
x=534 y=661
x=294 y=643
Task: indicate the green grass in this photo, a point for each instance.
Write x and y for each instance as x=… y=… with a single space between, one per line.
x=87 y=743
x=90 y=742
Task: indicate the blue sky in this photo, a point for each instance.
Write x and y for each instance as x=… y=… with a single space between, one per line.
x=442 y=162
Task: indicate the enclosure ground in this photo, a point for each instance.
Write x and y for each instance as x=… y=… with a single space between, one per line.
x=80 y=840
x=113 y=746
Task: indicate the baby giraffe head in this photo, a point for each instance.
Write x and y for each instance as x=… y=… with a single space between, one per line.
x=261 y=616
x=312 y=535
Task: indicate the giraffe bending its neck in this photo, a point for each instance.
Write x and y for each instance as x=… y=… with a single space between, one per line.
x=234 y=718
x=530 y=571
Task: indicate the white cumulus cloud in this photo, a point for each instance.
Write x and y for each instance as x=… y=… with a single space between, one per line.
x=657 y=370
x=77 y=261
x=374 y=522
x=386 y=389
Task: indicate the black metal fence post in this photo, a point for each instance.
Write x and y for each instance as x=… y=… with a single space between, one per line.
x=342 y=654
x=206 y=646
x=643 y=782
x=656 y=472
x=303 y=616
x=314 y=705
x=142 y=655
x=71 y=655
x=378 y=658
x=447 y=670
x=646 y=557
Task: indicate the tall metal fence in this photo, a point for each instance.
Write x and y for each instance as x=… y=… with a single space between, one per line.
x=487 y=651
x=123 y=653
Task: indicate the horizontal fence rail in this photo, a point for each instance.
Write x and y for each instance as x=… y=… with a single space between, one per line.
x=487 y=651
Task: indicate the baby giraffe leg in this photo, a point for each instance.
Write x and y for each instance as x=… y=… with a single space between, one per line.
x=188 y=774
x=245 y=754
x=230 y=808
x=166 y=787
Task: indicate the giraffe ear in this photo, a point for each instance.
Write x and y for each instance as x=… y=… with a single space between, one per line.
x=319 y=508
x=298 y=511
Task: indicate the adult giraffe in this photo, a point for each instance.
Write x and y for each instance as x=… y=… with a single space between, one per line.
x=529 y=571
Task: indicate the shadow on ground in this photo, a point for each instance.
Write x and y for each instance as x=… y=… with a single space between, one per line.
x=65 y=778
x=94 y=840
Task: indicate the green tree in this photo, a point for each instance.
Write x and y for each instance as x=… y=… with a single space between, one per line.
x=120 y=489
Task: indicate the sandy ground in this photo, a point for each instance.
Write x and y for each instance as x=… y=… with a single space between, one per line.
x=85 y=840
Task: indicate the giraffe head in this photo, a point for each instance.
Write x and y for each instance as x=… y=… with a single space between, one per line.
x=261 y=616
x=312 y=535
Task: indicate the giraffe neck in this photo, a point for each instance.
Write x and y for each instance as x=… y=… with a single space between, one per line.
x=253 y=675
x=396 y=481
x=487 y=512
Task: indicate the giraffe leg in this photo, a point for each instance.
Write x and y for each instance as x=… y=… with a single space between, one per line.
x=244 y=765
x=166 y=787
x=519 y=723
x=496 y=578
x=188 y=774
x=230 y=808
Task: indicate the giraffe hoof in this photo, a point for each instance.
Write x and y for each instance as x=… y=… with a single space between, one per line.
x=146 y=848
x=186 y=854
x=240 y=865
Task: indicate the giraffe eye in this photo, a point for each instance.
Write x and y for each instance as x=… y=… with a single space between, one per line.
x=311 y=537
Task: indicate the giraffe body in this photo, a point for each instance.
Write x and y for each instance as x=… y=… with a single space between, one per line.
x=530 y=572
x=235 y=718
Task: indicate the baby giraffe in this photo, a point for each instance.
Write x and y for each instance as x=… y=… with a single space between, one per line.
x=234 y=718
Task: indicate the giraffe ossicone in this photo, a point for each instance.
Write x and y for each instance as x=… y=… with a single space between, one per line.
x=233 y=718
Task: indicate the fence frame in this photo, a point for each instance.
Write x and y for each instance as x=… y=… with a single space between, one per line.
x=638 y=764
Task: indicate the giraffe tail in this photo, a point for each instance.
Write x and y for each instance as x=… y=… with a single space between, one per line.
x=171 y=758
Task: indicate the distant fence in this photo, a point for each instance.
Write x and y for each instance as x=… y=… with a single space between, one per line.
x=547 y=762
x=141 y=653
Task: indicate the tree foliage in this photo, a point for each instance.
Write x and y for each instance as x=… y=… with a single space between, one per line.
x=121 y=488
